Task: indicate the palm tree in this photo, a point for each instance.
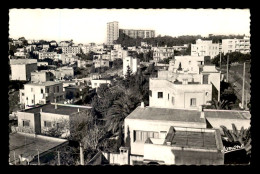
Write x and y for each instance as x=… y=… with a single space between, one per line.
x=120 y=109
x=242 y=137
x=219 y=105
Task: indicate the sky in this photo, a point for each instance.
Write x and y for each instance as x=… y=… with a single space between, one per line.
x=89 y=25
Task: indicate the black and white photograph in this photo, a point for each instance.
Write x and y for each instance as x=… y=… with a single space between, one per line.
x=129 y=87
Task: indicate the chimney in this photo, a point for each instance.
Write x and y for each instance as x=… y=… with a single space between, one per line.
x=142 y=105
x=201 y=109
x=168 y=143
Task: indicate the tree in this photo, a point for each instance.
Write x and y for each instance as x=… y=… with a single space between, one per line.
x=120 y=109
x=93 y=137
x=242 y=137
x=220 y=105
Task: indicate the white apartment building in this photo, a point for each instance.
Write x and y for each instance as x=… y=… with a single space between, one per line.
x=133 y=63
x=70 y=49
x=205 y=48
x=41 y=93
x=118 y=54
x=95 y=83
x=41 y=76
x=101 y=63
x=171 y=136
x=21 y=68
x=44 y=55
x=133 y=33
x=160 y=53
x=236 y=45
x=60 y=73
x=112 y=32
x=187 y=84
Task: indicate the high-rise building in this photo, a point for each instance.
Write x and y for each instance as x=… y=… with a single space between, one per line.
x=138 y=33
x=112 y=32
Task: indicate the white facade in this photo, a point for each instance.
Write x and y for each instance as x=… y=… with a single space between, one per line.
x=44 y=55
x=112 y=32
x=21 y=68
x=101 y=63
x=41 y=93
x=41 y=76
x=71 y=50
x=160 y=53
x=118 y=54
x=95 y=83
x=138 y=33
x=187 y=83
x=205 y=48
x=236 y=45
x=133 y=63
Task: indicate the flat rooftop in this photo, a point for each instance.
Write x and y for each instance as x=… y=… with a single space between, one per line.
x=22 y=61
x=227 y=114
x=192 y=138
x=47 y=83
x=61 y=109
x=27 y=144
x=165 y=114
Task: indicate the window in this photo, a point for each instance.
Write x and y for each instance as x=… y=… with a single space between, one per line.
x=26 y=123
x=47 y=90
x=58 y=90
x=22 y=94
x=160 y=94
x=32 y=102
x=47 y=124
x=193 y=102
x=41 y=91
x=205 y=79
x=31 y=89
x=150 y=93
x=143 y=135
x=168 y=96
x=53 y=89
x=172 y=100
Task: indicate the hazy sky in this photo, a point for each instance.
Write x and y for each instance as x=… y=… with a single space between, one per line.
x=89 y=25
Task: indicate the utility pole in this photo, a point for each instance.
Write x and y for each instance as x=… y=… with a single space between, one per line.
x=38 y=157
x=227 y=66
x=81 y=154
x=59 y=158
x=243 y=87
x=220 y=61
x=14 y=158
x=246 y=100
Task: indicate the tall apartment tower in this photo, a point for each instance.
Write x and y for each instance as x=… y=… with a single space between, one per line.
x=112 y=32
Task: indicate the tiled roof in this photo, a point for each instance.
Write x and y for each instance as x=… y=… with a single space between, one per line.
x=165 y=114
